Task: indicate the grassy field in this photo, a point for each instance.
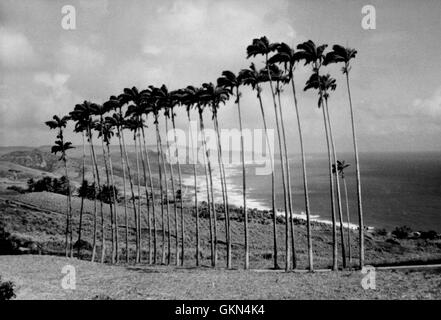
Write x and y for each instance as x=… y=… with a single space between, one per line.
x=39 y=277
x=38 y=228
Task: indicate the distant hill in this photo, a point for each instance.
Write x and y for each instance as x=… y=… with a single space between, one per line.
x=34 y=158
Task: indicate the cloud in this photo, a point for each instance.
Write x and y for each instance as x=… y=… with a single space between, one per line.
x=15 y=49
x=77 y=58
x=151 y=50
x=430 y=107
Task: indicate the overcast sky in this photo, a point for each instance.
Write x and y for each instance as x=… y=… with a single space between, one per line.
x=396 y=83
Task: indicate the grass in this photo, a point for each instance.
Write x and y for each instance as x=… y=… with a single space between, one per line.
x=46 y=229
x=39 y=227
x=39 y=277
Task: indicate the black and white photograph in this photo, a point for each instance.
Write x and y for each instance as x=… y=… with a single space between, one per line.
x=229 y=150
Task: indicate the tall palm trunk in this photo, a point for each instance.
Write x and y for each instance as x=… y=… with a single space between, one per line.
x=96 y=179
x=95 y=223
x=138 y=216
x=130 y=180
x=273 y=191
x=147 y=198
x=146 y=156
x=244 y=186
x=95 y=216
x=331 y=183
x=288 y=176
x=279 y=135
x=180 y=187
x=213 y=233
x=334 y=151
x=357 y=174
x=159 y=149
x=195 y=194
x=115 y=205
x=82 y=198
x=175 y=208
x=349 y=222
x=126 y=218
x=69 y=210
x=225 y=191
x=305 y=181
x=167 y=203
x=110 y=202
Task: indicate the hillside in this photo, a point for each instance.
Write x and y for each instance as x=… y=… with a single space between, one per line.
x=42 y=226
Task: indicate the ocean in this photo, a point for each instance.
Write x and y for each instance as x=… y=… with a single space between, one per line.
x=397 y=188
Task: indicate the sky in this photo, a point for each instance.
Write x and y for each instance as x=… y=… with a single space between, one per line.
x=395 y=82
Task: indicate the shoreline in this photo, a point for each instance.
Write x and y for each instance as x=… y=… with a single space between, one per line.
x=235 y=199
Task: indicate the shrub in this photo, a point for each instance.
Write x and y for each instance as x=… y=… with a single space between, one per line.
x=6 y=290
x=7 y=245
x=102 y=297
x=49 y=184
x=381 y=232
x=17 y=189
x=402 y=232
x=105 y=194
x=429 y=235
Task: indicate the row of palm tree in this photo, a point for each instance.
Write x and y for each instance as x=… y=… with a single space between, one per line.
x=159 y=104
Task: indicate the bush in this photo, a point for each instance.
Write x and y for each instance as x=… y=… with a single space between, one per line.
x=49 y=184
x=102 y=297
x=402 y=232
x=381 y=232
x=105 y=194
x=17 y=189
x=429 y=235
x=7 y=245
x=6 y=290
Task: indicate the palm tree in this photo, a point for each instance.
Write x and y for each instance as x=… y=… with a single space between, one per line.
x=175 y=208
x=133 y=124
x=136 y=112
x=253 y=78
x=61 y=146
x=188 y=97
x=232 y=83
x=125 y=98
x=176 y=101
x=146 y=156
x=201 y=103
x=341 y=166
x=288 y=57
x=328 y=84
x=278 y=76
x=80 y=127
x=313 y=55
x=216 y=95
x=315 y=82
x=99 y=127
x=263 y=47
x=341 y=54
x=107 y=129
x=117 y=121
x=205 y=99
x=85 y=111
x=165 y=101
x=155 y=107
